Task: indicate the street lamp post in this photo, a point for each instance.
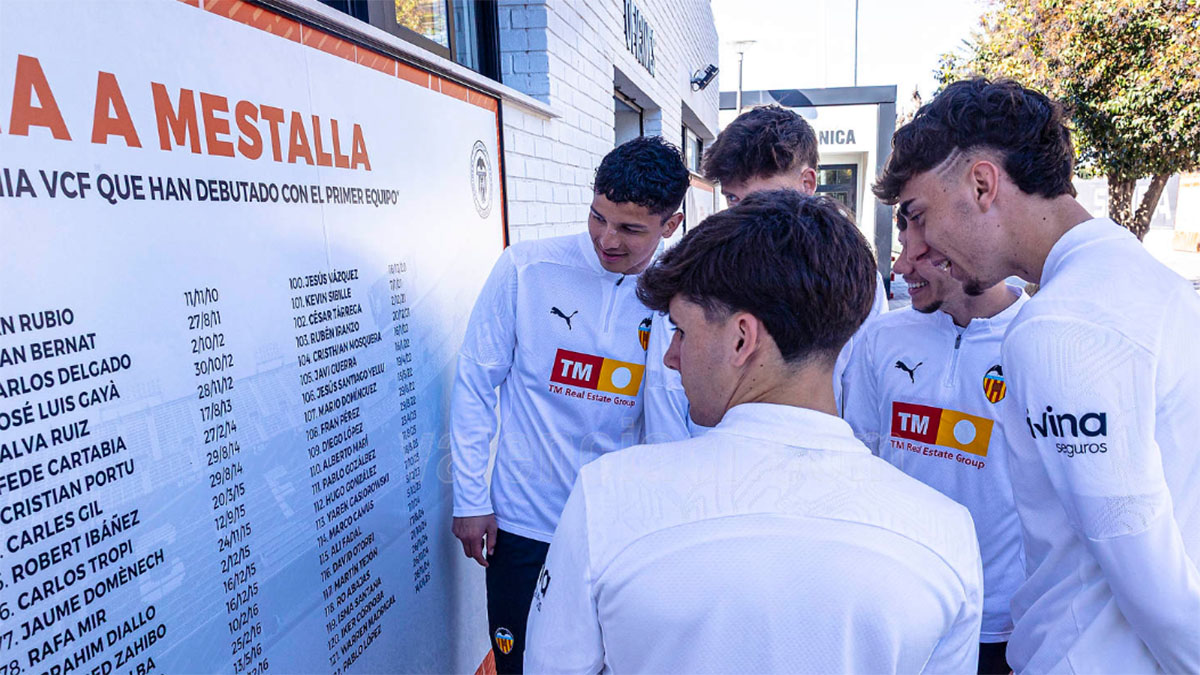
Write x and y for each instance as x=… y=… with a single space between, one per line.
x=741 y=47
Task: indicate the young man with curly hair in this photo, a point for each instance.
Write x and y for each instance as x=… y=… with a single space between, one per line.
x=559 y=331
x=769 y=148
x=772 y=543
x=1102 y=370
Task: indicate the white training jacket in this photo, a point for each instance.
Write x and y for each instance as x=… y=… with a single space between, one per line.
x=577 y=359
x=773 y=543
x=1103 y=415
x=878 y=306
x=923 y=394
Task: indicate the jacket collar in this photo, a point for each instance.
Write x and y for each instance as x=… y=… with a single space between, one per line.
x=996 y=324
x=1082 y=235
x=790 y=426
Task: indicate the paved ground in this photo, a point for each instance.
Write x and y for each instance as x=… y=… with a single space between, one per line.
x=1157 y=242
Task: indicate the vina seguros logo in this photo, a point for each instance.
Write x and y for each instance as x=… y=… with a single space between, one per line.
x=1068 y=426
x=596 y=373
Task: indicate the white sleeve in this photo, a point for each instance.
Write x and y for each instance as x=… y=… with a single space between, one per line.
x=1114 y=491
x=958 y=650
x=879 y=306
x=563 y=634
x=664 y=403
x=860 y=394
x=483 y=363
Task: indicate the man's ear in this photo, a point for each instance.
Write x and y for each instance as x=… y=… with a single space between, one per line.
x=671 y=225
x=808 y=180
x=746 y=329
x=985 y=183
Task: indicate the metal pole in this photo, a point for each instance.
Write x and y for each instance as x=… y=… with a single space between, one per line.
x=741 y=57
x=856 y=43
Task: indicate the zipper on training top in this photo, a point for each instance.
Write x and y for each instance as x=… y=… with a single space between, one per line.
x=950 y=377
x=612 y=304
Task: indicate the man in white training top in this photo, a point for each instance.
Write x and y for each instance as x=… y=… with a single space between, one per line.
x=923 y=391
x=1103 y=375
x=775 y=542
x=559 y=332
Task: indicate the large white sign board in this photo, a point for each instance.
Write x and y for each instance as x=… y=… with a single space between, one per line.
x=234 y=274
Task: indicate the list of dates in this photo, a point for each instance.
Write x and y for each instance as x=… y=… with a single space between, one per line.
x=82 y=559
x=232 y=521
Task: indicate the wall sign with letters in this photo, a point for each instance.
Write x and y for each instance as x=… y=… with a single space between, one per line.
x=639 y=36
x=236 y=262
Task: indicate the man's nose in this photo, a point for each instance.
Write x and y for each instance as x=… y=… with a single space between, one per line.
x=671 y=358
x=915 y=244
x=903 y=264
x=609 y=238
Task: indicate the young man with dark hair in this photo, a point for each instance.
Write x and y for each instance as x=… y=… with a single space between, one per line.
x=923 y=390
x=1102 y=370
x=766 y=148
x=577 y=359
x=772 y=542
x=770 y=148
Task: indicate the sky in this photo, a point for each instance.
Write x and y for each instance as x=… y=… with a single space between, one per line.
x=810 y=43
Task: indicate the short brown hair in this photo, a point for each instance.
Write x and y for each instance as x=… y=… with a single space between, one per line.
x=765 y=141
x=1023 y=125
x=795 y=262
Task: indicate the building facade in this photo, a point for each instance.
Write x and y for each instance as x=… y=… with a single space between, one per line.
x=590 y=75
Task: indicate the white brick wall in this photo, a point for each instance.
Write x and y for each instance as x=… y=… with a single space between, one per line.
x=563 y=52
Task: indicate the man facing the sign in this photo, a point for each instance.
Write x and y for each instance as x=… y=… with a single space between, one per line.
x=769 y=148
x=923 y=390
x=1102 y=368
x=577 y=359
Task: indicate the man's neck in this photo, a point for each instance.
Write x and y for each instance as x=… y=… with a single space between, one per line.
x=990 y=303
x=1038 y=227
x=802 y=386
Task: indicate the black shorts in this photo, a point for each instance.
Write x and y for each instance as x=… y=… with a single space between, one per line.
x=512 y=575
x=993 y=658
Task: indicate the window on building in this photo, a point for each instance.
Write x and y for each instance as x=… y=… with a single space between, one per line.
x=693 y=149
x=839 y=181
x=628 y=118
x=464 y=31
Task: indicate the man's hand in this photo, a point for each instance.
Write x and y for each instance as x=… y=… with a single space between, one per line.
x=472 y=531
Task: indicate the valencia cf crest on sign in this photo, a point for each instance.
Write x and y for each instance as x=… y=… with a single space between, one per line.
x=993 y=384
x=644 y=333
x=504 y=640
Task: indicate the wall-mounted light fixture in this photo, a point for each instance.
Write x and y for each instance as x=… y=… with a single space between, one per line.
x=701 y=79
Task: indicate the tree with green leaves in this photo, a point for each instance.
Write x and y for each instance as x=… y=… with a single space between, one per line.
x=1128 y=71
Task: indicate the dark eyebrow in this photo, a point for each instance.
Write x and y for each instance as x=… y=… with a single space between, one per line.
x=672 y=320
x=904 y=208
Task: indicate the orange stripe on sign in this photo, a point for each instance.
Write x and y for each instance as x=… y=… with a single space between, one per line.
x=414 y=75
x=454 y=89
x=370 y=59
x=193 y=3
x=488 y=666
x=257 y=17
x=329 y=44
x=482 y=100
